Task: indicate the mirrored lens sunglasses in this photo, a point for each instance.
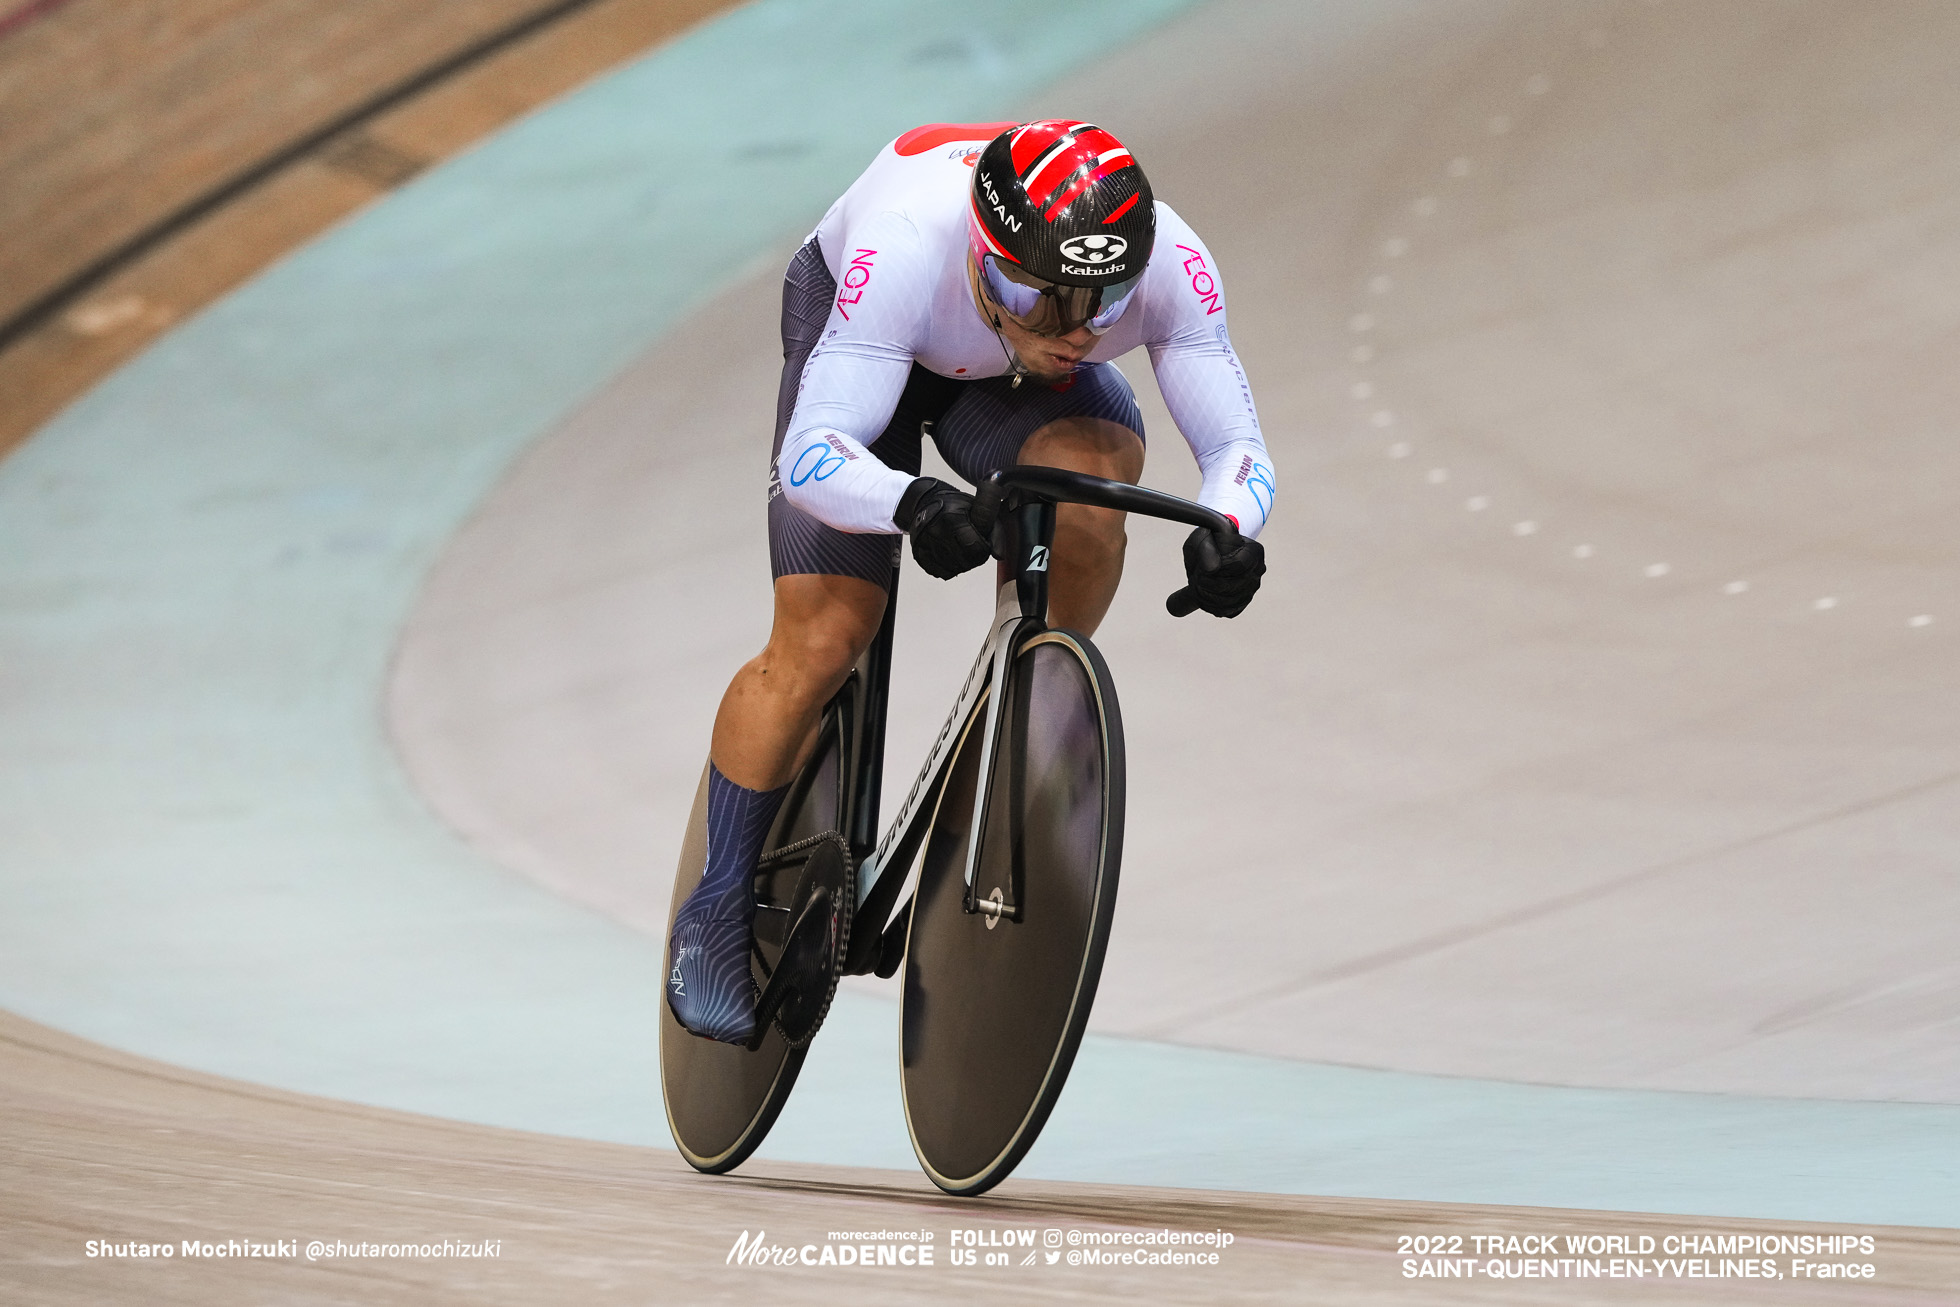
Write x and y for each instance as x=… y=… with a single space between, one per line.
x=1050 y=309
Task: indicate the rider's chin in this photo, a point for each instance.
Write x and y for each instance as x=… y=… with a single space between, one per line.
x=1048 y=368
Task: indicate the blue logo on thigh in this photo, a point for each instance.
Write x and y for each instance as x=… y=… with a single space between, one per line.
x=826 y=464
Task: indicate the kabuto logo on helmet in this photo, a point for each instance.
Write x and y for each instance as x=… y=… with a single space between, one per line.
x=1094 y=249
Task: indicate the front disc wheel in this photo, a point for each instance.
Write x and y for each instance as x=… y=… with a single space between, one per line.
x=999 y=982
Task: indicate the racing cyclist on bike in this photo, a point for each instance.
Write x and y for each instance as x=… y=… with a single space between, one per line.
x=973 y=285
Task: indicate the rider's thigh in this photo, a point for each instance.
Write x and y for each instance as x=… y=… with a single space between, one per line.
x=822 y=623
x=987 y=427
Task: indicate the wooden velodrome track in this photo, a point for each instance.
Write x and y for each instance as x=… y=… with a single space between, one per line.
x=98 y=1141
x=100 y=1145
x=158 y=154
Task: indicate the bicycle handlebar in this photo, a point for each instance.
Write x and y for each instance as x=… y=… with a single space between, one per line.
x=1059 y=485
x=1182 y=602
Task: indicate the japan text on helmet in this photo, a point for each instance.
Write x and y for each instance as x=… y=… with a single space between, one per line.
x=1061 y=225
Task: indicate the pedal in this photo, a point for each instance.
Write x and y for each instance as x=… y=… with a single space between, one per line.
x=818 y=935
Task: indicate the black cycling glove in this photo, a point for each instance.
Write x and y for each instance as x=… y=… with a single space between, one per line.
x=940 y=521
x=1223 y=570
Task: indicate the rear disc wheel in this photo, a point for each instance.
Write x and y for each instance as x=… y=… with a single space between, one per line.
x=721 y=1099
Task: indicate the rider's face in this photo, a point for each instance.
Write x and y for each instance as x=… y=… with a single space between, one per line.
x=1047 y=358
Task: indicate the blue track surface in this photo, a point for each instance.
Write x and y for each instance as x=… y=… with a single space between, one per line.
x=212 y=857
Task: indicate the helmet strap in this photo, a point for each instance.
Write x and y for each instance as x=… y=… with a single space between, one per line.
x=1013 y=361
x=992 y=314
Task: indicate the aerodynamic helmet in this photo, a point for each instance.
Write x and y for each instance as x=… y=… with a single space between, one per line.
x=1061 y=226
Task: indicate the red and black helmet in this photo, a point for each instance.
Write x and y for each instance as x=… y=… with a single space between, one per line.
x=1062 y=224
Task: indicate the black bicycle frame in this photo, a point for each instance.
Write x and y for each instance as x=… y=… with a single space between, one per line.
x=1016 y=506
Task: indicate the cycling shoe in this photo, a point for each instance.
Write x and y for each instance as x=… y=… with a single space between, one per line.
x=709 y=985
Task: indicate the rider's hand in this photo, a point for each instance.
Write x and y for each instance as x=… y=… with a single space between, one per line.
x=940 y=521
x=1223 y=569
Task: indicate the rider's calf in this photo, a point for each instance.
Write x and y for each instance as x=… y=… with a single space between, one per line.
x=768 y=718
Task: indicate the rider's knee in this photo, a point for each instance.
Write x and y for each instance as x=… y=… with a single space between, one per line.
x=821 y=627
x=822 y=650
x=1090 y=533
x=1087 y=444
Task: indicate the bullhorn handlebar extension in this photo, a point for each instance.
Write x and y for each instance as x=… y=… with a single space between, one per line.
x=1015 y=485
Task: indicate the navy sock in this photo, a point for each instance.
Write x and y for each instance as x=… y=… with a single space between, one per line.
x=710 y=986
x=738 y=822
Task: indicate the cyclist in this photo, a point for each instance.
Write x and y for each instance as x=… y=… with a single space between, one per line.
x=973 y=285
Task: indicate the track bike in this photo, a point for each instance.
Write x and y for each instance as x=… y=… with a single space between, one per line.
x=1015 y=824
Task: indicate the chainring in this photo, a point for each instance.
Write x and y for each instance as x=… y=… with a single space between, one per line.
x=804 y=981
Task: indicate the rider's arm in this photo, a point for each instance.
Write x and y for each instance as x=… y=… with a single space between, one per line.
x=853 y=381
x=1202 y=382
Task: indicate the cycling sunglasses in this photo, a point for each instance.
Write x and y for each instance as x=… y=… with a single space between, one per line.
x=1048 y=308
